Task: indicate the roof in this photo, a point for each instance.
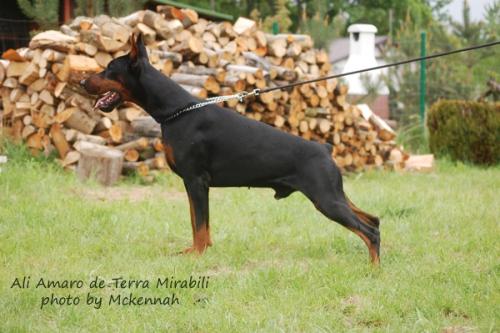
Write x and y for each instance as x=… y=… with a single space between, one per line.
x=362 y=28
x=201 y=11
x=339 y=48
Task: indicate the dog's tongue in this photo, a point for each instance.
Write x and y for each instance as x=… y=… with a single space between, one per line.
x=106 y=100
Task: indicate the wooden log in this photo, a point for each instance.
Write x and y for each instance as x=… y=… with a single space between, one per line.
x=27 y=131
x=156 y=22
x=103 y=59
x=15 y=95
x=205 y=81
x=59 y=140
x=54 y=40
x=79 y=120
x=195 y=91
x=13 y=55
x=138 y=144
x=158 y=145
x=54 y=56
x=420 y=163
x=30 y=74
x=101 y=162
x=115 y=31
x=103 y=124
x=146 y=126
x=116 y=133
x=277 y=48
x=103 y=43
x=149 y=35
x=175 y=57
x=16 y=69
x=235 y=82
x=71 y=158
x=2 y=72
x=131 y=155
x=88 y=49
x=294 y=50
x=46 y=97
x=133 y=19
x=258 y=72
x=40 y=120
x=35 y=140
x=129 y=113
x=324 y=125
x=72 y=135
x=193 y=45
x=218 y=73
x=386 y=133
x=187 y=17
x=191 y=14
x=304 y=40
x=76 y=68
x=141 y=168
x=244 y=26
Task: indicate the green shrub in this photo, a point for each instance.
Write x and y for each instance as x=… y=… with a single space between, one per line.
x=466 y=131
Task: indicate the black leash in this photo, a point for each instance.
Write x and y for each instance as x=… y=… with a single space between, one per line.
x=432 y=56
x=242 y=95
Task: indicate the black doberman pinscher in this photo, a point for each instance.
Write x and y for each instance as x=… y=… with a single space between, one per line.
x=217 y=147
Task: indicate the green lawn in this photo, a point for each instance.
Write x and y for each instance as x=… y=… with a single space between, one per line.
x=276 y=266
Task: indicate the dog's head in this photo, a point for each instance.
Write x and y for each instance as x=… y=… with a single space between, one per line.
x=119 y=82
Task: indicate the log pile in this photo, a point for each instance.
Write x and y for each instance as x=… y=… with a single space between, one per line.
x=44 y=106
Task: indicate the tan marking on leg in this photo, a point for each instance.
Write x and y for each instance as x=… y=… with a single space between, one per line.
x=363 y=216
x=201 y=239
x=371 y=249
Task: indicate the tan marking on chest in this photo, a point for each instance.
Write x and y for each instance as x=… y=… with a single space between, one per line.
x=169 y=153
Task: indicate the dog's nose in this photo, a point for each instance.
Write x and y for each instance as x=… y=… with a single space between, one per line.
x=82 y=82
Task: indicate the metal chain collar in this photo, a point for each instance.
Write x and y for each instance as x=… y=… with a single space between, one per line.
x=214 y=100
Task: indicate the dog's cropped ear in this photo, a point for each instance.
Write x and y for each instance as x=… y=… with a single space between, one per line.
x=138 y=50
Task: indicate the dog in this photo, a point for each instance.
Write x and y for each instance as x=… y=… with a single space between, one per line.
x=217 y=147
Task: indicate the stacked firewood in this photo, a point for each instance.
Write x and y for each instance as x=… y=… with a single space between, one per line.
x=44 y=106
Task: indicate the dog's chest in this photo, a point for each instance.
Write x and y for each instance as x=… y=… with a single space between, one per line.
x=169 y=155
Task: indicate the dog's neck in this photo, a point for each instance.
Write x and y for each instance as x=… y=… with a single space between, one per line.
x=162 y=97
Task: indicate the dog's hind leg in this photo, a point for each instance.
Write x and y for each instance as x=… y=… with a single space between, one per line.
x=197 y=190
x=325 y=190
x=338 y=210
x=364 y=216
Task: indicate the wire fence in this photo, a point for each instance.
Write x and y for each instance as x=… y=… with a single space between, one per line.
x=15 y=33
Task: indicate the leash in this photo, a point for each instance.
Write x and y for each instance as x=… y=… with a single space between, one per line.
x=256 y=92
x=212 y=100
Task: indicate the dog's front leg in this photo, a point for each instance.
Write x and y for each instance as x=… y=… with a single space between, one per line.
x=197 y=190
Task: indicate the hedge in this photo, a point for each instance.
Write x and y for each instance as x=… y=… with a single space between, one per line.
x=465 y=131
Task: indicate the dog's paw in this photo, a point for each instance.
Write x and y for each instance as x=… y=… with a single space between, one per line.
x=188 y=250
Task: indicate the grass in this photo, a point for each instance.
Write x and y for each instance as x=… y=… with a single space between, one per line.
x=274 y=267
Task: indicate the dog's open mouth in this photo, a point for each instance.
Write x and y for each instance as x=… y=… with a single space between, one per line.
x=107 y=102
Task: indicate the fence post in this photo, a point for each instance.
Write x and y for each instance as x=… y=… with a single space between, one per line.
x=422 y=76
x=276 y=28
